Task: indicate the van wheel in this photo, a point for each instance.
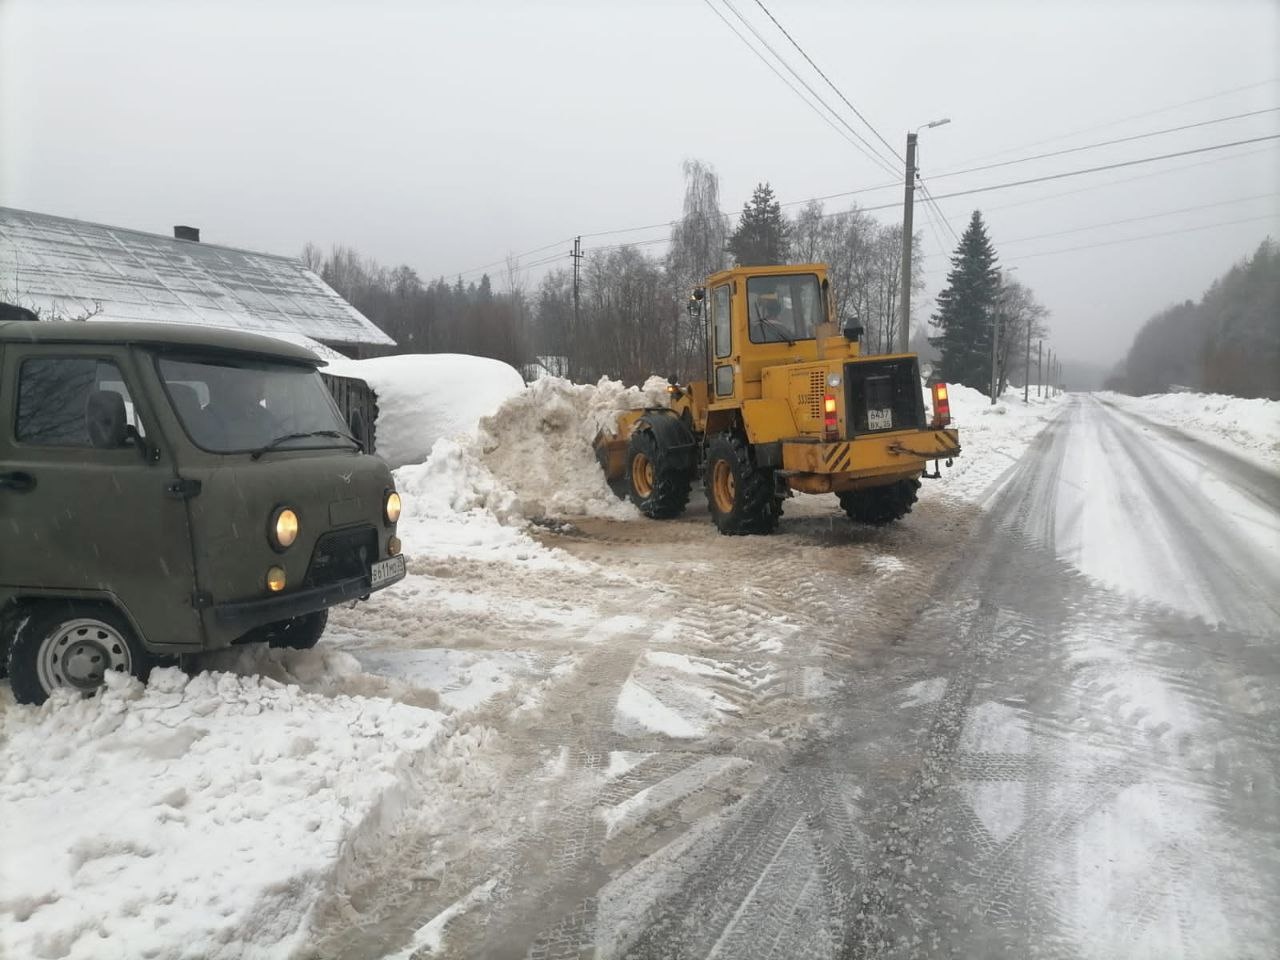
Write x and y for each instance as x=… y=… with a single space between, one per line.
x=739 y=494
x=880 y=505
x=72 y=646
x=300 y=633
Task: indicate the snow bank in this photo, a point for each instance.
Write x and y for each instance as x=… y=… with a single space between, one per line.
x=532 y=459
x=1248 y=426
x=992 y=437
x=539 y=444
x=196 y=817
x=423 y=397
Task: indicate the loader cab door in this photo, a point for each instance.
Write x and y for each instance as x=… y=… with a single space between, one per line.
x=723 y=384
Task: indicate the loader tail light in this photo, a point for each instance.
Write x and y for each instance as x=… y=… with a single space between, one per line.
x=941 y=406
x=829 y=425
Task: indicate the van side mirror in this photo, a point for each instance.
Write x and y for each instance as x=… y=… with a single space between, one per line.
x=105 y=419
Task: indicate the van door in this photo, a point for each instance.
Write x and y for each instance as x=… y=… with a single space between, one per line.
x=83 y=512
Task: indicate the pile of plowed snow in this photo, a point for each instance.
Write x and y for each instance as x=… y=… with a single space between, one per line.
x=197 y=817
x=423 y=397
x=533 y=458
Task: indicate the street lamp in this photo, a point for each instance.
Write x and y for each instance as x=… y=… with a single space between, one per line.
x=908 y=200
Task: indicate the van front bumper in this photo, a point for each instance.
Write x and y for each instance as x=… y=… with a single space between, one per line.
x=240 y=616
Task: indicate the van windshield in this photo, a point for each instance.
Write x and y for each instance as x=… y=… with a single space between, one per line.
x=231 y=405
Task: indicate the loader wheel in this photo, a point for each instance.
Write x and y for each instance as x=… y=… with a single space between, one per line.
x=739 y=494
x=880 y=505
x=657 y=488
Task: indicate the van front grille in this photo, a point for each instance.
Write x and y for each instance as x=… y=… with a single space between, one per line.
x=341 y=555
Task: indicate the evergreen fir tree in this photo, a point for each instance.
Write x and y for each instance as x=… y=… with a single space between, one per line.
x=966 y=310
x=763 y=237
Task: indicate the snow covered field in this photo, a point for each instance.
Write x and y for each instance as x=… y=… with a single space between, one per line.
x=285 y=802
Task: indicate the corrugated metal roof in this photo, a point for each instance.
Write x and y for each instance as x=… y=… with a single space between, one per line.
x=65 y=267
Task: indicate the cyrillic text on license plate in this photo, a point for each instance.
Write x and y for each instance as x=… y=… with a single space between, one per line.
x=879 y=419
x=386 y=571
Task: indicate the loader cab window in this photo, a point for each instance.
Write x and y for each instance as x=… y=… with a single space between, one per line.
x=720 y=320
x=784 y=309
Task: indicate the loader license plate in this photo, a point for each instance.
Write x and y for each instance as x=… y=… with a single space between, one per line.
x=386 y=571
x=879 y=419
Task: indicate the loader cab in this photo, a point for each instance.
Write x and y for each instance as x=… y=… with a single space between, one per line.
x=761 y=317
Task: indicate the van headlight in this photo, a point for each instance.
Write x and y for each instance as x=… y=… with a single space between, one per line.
x=283 y=529
x=391 y=508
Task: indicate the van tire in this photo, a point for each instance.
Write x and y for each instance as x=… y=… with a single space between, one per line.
x=72 y=645
x=300 y=633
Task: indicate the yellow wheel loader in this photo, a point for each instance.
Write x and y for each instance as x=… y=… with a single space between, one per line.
x=789 y=406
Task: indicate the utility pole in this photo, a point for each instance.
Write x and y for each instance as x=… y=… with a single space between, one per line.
x=908 y=203
x=995 y=350
x=1026 y=370
x=576 y=253
x=1039 y=366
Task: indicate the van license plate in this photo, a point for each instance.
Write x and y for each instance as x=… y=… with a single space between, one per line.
x=386 y=571
x=879 y=419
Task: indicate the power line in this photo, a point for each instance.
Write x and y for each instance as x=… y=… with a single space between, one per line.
x=1150 y=216
x=839 y=94
x=1134 y=116
x=862 y=146
x=932 y=197
x=1106 y=143
x=1107 y=166
x=1148 y=236
x=930 y=201
x=1112 y=183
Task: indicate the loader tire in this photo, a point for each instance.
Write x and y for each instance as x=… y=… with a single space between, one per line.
x=740 y=495
x=880 y=505
x=658 y=488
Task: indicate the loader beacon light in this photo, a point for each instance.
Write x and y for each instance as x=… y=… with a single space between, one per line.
x=283 y=531
x=275 y=579
x=941 y=406
x=829 y=417
x=391 y=509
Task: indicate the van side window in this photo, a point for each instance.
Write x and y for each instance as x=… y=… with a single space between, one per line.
x=73 y=402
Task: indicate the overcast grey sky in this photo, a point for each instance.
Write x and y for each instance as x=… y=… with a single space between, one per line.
x=447 y=134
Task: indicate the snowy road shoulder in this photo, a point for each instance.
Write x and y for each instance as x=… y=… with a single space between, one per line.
x=196 y=817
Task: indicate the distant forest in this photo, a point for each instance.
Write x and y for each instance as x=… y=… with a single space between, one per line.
x=631 y=319
x=1229 y=342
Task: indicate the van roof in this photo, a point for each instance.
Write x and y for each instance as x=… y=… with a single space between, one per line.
x=179 y=335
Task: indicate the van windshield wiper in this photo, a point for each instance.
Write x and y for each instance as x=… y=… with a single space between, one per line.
x=777 y=326
x=336 y=434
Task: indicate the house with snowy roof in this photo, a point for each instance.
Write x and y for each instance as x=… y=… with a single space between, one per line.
x=73 y=269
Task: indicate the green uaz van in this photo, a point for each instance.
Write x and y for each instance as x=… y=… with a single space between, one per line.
x=168 y=489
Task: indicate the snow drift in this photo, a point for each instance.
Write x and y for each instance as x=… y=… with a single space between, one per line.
x=195 y=817
x=1248 y=426
x=423 y=397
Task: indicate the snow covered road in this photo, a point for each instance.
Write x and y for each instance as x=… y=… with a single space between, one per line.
x=1039 y=718
x=1048 y=728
